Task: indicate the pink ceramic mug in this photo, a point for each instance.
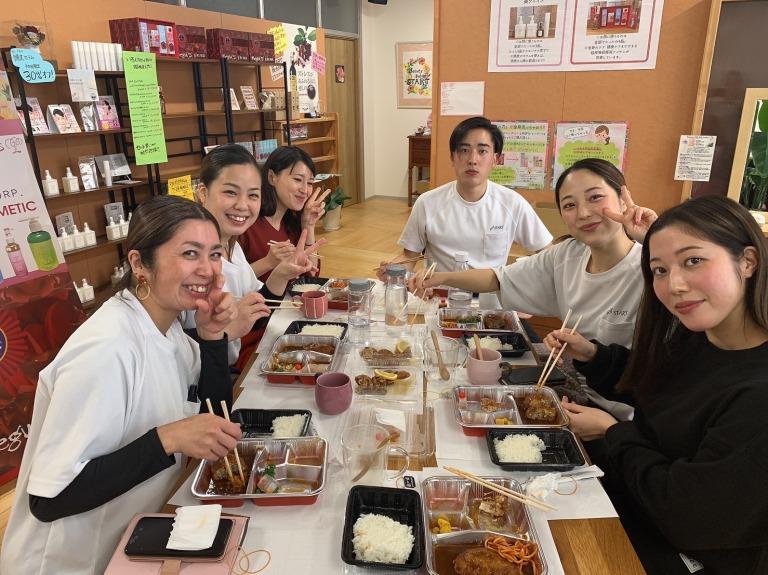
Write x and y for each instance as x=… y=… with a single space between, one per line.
x=333 y=393
x=315 y=304
x=486 y=371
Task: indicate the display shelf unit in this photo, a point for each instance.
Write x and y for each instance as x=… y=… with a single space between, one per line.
x=321 y=142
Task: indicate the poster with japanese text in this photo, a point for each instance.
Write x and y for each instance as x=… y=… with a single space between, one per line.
x=578 y=140
x=39 y=307
x=298 y=44
x=523 y=161
x=144 y=104
x=550 y=35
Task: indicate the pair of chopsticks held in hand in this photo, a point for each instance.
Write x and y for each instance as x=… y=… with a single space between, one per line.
x=550 y=365
x=273 y=242
x=237 y=455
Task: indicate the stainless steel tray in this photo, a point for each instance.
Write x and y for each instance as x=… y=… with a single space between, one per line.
x=300 y=468
x=469 y=414
x=296 y=339
x=458 y=500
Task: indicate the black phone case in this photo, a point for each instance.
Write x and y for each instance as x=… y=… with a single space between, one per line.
x=151 y=534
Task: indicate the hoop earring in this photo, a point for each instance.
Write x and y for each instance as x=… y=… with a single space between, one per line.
x=142 y=285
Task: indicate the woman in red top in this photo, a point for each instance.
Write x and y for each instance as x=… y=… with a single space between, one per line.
x=288 y=206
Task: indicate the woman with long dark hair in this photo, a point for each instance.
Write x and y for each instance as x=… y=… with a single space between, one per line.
x=688 y=474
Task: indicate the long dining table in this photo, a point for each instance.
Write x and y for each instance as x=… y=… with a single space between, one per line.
x=584 y=538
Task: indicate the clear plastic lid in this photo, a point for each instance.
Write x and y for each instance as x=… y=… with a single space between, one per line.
x=396 y=270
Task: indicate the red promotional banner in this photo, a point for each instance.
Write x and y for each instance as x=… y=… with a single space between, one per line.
x=39 y=307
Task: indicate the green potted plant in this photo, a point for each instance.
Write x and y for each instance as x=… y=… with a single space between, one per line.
x=333 y=204
x=754 y=186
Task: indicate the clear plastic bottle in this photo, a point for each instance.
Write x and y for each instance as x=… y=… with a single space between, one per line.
x=395 y=296
x=458 y=297
x=359 y=303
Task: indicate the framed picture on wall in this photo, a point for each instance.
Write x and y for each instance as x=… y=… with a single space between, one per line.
x=414 y=74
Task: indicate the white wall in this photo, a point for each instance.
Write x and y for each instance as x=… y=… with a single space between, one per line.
x=385 y=126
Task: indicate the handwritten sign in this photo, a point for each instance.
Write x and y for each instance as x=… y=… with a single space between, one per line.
x=281 y=41
x=144 y=103
x=318 y=63
x=32 y=68
x=181 y=186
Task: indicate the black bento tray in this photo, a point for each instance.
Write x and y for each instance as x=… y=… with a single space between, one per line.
x=562 y=451
x=295 y=327
x=258 y=422
x=530 y=375
x=401 y=505
x=306 y=280
x=507 y=338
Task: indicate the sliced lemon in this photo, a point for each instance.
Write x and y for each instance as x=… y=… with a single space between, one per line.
x=388 y=375
x=402 y=346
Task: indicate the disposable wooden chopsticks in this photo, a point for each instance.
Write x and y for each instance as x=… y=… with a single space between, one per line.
x=517 y=496
x=545 y=375
x=430 y=271
x=272 y=242
x=552 y=351
x=237 y=455
x=226 y=461
x=281 y=301
x=408 y=261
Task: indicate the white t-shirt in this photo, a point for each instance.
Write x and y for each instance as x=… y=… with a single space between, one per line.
x=239 y=279
x=555 y=280
x=443 y=223
x=114 y=379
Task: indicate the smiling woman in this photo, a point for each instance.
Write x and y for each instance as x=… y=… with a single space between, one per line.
x=122 y=397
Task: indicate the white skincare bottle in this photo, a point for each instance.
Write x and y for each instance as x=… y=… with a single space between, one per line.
x=530 y=29
x=107 y=173
x=123 y=227
x=89 y=235
x=79 y=291
x=65 y=241
x=113 y=230
x=50 y=185
x=78 y=238
x=70 y=181
x=519 y=28
x=87 y=291
x=547 y=20
x=116 y=276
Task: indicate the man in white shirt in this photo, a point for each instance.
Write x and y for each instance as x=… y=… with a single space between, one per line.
x=471 y=214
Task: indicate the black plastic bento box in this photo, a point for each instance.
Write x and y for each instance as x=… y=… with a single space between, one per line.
x=295 y=327
x=258 y=422
x=401 y=505
x=516 y=340
x=562 y=450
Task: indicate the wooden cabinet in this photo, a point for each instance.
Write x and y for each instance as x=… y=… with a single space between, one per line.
x=419 y=153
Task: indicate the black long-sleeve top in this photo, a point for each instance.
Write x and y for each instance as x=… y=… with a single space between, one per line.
x=109 y=476
x=695 y=457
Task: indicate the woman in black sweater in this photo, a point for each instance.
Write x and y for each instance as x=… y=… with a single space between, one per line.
x=689 y=473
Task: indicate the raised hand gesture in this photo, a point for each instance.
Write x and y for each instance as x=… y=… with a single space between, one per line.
x=635 y=219
x=314 y=208
x=215 y=311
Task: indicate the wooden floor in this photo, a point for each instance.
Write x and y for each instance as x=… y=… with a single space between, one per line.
x=368 y=235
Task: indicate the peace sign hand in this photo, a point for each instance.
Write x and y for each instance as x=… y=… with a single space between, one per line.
x=301 y=262
x=215 y=311
x=314 y=208
x=635 y=219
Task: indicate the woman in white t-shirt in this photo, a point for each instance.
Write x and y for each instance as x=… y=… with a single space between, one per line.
x=230 y=188
x=595 y=272
x=122 y=398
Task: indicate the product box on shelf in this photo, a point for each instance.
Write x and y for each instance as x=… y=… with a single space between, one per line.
x=191 y=41
x=143 y=35
x=262 y=48
x=230 y=44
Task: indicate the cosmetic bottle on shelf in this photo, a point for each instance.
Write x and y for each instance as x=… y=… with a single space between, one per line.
x=89 y=235
x=87 y=291
x=113 y=230
x=78 y=238
x=70 y=181
x=50 y=185
x=123 y=227
x=66 y=241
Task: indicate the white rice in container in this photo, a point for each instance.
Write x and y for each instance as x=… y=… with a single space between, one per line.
x=288 y=425
x=493 y=343
x=305 y=287
x=322 y=329
x=381 y=539
x=519 y=448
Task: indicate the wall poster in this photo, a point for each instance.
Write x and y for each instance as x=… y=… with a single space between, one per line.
x=579 y=140
x=523 y=161
x=414 y=74
x=558 y=35
x=299 y=44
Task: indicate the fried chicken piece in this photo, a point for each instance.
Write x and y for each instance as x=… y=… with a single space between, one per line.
x=488 y=405
x=540 y=409
x=484 y=562
x=495 y=505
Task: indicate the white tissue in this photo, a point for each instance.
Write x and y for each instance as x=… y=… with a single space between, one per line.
x=194 y=527
x=542 y=485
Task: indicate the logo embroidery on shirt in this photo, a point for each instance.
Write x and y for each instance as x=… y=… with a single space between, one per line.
x=496 y=228
x=617 y=312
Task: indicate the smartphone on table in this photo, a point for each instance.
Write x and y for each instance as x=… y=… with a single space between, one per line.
x=150 y=537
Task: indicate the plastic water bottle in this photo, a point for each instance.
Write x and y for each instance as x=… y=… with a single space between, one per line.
x=458 y=297
x=395 y=296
